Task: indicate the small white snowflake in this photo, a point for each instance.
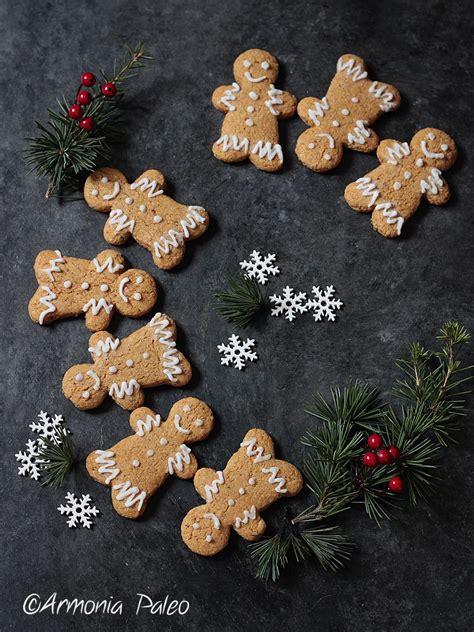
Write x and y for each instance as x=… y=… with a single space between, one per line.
x=324 y=304
x=238 y=352
x=289 y=303
x=260 y=267
x=79 y=510
x=30 y=465
x=47 y=427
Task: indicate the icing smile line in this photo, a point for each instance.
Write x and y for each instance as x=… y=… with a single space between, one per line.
x=248 y=76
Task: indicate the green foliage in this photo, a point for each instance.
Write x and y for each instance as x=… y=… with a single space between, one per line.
x=65 y=153
x=56 y=457
x=241 y=302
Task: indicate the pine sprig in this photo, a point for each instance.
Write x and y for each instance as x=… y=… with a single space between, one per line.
x=56 y=457
x=64 y=152
x=241 y=302
x=433 y=387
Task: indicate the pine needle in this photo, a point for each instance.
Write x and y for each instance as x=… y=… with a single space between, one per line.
x=241 y=302
x=56 y=457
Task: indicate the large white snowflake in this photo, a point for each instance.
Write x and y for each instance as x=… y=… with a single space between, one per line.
x=237 y=352
x=47 y=427
x=324 y=304
x=79 y=510
x=30 y=465
x=289 y=303
x=260 y=267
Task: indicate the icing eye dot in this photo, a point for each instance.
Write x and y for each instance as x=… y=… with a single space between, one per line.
x=79 y=377
x=198 y=423
x=150 y=452
x=327 y=157
x=139 y=280
x=241 y=491
x=345 y=112
x=196 y=525
x=250 y=109
x=142 y=208
x=146 y=355
x=104 y=287
x=444 y=147
x=163 y=441
x=249 y=122
x=311 y=145
x=397 y=186
x=104 y=179
x=129 y=200
x=265 y=65
x=95 y=192
x=247 y=63
x=355 y=100
x=85 y=285
x=431 y=136
x=67 y=284
x=86 y=394
x=186 y=408
x=253 y=95
x=136 y=463
x=419 y=162
x=129 y=362
x=251 y=481
x=335 y=123
x=157 y=219
x=407 y=175
x=231 y=502
x=209 y=538
x=113 y=369
x=137 y=296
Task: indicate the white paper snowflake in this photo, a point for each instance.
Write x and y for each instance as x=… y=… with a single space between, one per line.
x=30 y=465
x=79 y=510
x=238 y=352
x=324 y=304
x=47 y=427
x=260 y=267
x=289 y=303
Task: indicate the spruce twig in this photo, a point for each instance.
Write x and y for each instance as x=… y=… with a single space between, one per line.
x=241 y=302
x=56 y=457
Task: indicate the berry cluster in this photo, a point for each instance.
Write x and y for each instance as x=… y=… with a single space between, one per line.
x=378 y=455
x=84 y=97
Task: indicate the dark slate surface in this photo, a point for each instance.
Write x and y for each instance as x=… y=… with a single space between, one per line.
x=412 y=574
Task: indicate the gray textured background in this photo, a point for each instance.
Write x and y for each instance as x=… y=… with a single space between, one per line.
x=412 y=574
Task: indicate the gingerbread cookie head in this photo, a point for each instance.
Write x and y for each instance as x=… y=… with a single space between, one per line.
x=255 y=66
x=104 y=186
x=343 y=117
x=135 y=293
x=434 y=148
x=252 y=480
x=139 y=464
x=122 y=368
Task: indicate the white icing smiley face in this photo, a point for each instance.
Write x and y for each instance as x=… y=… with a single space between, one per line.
x=256 y=66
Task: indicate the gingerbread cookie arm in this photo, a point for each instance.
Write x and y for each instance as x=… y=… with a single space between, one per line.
x=207 y=481
x=285 y=103
x=223 y=97
x=145 y=180
x=183 y=463
x=98 y=314
x=108 y=261
x=308 y=109
x=101 y=343
x=441 y=196
x=392 y=151
x=253 y=529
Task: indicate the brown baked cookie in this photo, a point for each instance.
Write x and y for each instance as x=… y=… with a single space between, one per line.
x=252 y=106
x=135 y=467
x=343 y=117
x=70 y=287
x=409 y=172
x=141 y=209
x=252 y=480
x=123 y=368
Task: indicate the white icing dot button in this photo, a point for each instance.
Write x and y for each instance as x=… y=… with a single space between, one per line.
x=444 y=147
x=150 y=452
x=104 y=287
x=198 y=423
x=251 y=481
x=196 y=525
x=355 y=100
x=86 y=394
x=67 y=284
x=129 y=200
x=397 y=186
x=186 y=408
x=85 y=285
x=139 y=280
x=241 y=491
x=129 y=362
x=335 y=123
x=247 y=63
x=431 y=136
x=209 y=538
x=419 y=162
x=142 y=208
x=79 y=377
x=104 y=180
x=327 y=157
x=157 y=219
x=137 y=296
x=231 y=502
x=265 y=65
x=407 y=175
x=95 y=192
x=311 y=145
x=146 y=355
x=253 y=95
x=249 y=122
x=345 y=112
x=113 y=369
x=163 y=441
x=136 y=463
x=250 y=109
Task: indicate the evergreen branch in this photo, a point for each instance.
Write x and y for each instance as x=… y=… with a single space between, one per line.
x=241 y=302
x=56 y=456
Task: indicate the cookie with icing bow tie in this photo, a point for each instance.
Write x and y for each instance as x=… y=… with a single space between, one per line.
x=142 y=210
x=408 y=173
x=69 y=287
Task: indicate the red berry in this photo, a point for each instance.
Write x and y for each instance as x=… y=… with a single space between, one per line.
x=384 y=456
x=87 y=79
x=109 y=89
x=374 y=441
x=370 y=459
x=396 y=484
x=395 y=452
x=75 y=111
x=84 y=97
x=87 y=123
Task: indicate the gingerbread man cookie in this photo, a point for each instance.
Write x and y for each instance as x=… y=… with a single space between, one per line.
x=141 y=209
x=69 y=287
x=409 y=172
x=252 y=107
x=123 y=368
x=343 y=117
x=252 y=480
x=138 y=465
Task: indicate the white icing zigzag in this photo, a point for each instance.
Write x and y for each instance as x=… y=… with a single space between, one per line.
x=213 y=488
x=146 y=183
x=397 y=151
x=233 y=142
x=390 y=213
x=352 y=70
x=117 y=216
x=53 y=265
x=107 y=464
x=258 y=452
x=268 y=150
x=175 y=238
x=147 y=425
x=171 y=359
x=46 y=300
x=320 y=107
x=108 y=265
x=180 y=458
x=274 y=94
x=104 y=346
x=97 y=305
x=359 y=133
x=131 y=495
x=127 y=387
x=380 y=92
x=229 y=95
x=280 y=482
x=248 y=515
x=434 y=183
